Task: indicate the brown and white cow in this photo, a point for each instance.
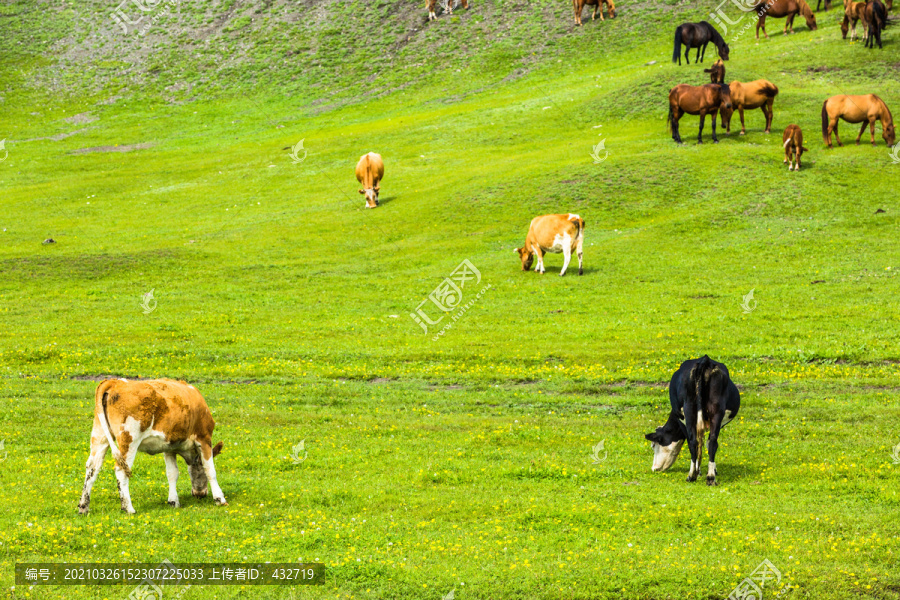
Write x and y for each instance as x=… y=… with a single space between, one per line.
x=154 y=416
x=553 y=233
x=369 y=171
x=793 y=146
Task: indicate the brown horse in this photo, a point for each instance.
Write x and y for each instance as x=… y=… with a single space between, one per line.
x=698 y=35
x=793 y=146
x=875 y=17
x=697 y=100
x=827 y=5
x=755 y=94
x=716 y=72
x=598 y=7
x=853 y=13
x=784 y=8
x=857 y=109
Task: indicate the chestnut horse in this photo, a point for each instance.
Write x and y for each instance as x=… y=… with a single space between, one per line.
x=857 y=109
x=755 y=94
x=784 y=8
x=697 y=35
x=853 y=13
x=827 y=5
x=875 y=17
x=598 y=7
x=697 y=100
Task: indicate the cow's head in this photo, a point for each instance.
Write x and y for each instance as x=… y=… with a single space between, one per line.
x=666 y=443
x=199 y=482
x=371 y=196
x=526 y=257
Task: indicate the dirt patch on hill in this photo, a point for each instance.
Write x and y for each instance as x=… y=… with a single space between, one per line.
x=125 y=148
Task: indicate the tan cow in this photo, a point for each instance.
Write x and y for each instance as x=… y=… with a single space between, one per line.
x=369 y=171
x=553 y=233
x=155 y=416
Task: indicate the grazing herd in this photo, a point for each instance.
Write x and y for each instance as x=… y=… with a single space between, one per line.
x=172 y=418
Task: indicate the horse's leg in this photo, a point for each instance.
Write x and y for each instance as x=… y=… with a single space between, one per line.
x=863 y=130
x=675 y=132
x=834 y=128
x=700 y=133
x=715 y=115
x=761 y=24
x=767 y=110
x=741 y=112
x=703 y=55
x=687 y=54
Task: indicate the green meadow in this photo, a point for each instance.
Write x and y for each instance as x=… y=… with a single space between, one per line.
x=197 y=183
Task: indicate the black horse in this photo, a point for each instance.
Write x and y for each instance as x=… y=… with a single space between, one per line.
x=697 y=35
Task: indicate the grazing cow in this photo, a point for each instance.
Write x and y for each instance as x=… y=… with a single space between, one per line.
x=793 y=145
x=369 y=171
x=703 y=398
x=598 y=7
x=154 y=416
x=553 y=233
x=755 y=94
x=716 y=72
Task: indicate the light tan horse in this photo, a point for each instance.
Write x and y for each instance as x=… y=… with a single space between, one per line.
x=857 y=109
x=755 y=94
x=784 y=8
x=853 y=12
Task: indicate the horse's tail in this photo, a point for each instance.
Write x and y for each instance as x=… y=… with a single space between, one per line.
x=825 y=121
x=880 y=14
x=677 y=51
x=671 y=118
x=769 y=89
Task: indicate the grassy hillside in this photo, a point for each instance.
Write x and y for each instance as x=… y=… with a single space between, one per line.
x=162 y=162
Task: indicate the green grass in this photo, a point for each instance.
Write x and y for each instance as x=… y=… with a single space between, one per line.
x=465 y=461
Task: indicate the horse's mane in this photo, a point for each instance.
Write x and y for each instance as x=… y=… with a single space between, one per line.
x=886 y=109
x=717 y=38
x=805 y=10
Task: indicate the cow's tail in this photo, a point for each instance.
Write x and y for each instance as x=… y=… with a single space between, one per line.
x=580 y=223
x=101 y=399
x=677 y=44
x=701 y=382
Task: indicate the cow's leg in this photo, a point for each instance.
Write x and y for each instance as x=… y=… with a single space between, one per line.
x=567 y=256
x=99 y=446
x=206 y=459
x=539 y=260
x=578 y=250
x=714 y=427
x=128 y=443
x=172 y=476
x=690 y=423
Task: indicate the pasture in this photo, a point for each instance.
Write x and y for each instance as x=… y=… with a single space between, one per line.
x=468 y=462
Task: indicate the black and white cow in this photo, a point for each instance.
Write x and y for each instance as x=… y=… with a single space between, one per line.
x=703 y=399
